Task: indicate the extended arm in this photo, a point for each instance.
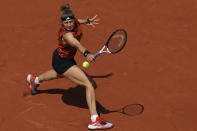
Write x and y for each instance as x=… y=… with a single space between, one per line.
x=71 y=40
x=83 y=21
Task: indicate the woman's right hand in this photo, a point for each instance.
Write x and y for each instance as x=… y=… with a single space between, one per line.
x=90 y=57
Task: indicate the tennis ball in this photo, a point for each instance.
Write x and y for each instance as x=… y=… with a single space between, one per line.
x=86 y=64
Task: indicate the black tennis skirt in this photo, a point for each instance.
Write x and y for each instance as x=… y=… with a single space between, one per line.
x=61 y=65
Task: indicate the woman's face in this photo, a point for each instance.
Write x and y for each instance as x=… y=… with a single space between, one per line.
x=69 y=24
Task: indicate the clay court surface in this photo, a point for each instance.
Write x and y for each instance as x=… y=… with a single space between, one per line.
x=156 y=69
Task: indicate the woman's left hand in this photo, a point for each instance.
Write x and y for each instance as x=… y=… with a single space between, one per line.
x=92 y=21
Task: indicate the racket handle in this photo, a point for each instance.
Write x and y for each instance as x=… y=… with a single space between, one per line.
x=97 y=54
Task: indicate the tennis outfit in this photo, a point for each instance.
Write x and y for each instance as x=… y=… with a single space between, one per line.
x=62 y=60
x=63 y=56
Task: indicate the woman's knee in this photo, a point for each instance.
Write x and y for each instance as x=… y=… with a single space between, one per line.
x=87 y=83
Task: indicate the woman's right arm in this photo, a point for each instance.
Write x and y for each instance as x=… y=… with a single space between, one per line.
x=71 y=40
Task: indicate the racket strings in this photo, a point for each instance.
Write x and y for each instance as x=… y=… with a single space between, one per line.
x=117 y=41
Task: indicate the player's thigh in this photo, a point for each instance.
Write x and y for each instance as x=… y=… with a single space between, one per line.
x=54 y=74
x=76 y=75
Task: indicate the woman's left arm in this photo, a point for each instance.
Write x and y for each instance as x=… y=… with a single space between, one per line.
x=89 y=21
x=83 y=21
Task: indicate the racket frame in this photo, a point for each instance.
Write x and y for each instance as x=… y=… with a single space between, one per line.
x=102 y=51
x=106 y=45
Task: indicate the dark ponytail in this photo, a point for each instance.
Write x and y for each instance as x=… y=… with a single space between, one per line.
x=66 y=13
x=65 y=7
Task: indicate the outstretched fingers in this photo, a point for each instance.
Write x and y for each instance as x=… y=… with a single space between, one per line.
x=93 y=21
x=94 y=17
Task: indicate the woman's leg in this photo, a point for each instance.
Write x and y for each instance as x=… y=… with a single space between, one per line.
x=76 y=75
x=49 y=75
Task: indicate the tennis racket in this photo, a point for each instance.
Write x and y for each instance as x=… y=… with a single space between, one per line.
x=131 y=109
x=115 y=43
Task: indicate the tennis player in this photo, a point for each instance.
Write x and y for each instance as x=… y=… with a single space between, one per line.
x=64 y=65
